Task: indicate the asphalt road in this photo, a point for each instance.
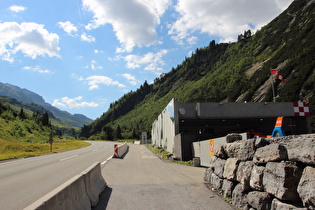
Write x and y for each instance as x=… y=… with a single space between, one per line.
x=23 y=181
x=142 y=181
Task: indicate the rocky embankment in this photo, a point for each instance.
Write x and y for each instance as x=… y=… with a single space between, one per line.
x=262 y=173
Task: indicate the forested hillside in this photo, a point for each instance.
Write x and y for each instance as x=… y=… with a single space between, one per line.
x=35 y=112
x=233 y=72
x=20 y=126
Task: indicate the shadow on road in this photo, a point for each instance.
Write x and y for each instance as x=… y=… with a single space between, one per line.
x=104 y=198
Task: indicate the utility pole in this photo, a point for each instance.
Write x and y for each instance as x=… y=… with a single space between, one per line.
x=273 y=89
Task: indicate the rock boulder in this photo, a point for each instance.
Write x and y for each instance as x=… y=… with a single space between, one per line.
x=270 y=153
x=281 y=180
x=306 y=187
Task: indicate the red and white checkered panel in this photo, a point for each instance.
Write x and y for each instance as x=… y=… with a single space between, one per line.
x=301 y=109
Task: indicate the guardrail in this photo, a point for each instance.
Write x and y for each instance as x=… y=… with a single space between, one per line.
x=80 y=192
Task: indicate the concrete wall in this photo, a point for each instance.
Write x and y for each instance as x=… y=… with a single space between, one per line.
x=183 y=146
x=205 y=149
x=163 y=129
x=260 y=173
x=236 y=110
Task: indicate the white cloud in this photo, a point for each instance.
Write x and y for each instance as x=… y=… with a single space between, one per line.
x=17 y=8
x=71 y=103
x=134 y=21
x=79 y=78
x=224 y=19
x=96 y=80
x=131 y=79
x=98 y=51
x=37 y=69
x=151 y=61
x=68 y=27
x=29 y=38
x=87 y=38
x=93 y=66
x=192 y=40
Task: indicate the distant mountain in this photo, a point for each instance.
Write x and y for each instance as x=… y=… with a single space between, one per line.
x=26 y=96
x=20 y=94
x=228 y=72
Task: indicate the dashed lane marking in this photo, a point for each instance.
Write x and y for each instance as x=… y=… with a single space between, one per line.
x=67 y=158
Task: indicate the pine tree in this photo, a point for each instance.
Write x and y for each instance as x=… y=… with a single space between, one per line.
x=45 y=119
x=109 y=133
x=22 y=114
x=118 y=134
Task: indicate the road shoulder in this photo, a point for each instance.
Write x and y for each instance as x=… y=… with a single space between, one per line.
x=142 y=181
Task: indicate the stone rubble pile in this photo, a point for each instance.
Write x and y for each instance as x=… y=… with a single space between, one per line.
x=262 y=173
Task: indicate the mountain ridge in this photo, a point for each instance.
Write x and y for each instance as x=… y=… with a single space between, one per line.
x=27 y=96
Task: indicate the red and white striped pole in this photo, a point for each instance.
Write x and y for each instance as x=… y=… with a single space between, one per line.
x=115 y=151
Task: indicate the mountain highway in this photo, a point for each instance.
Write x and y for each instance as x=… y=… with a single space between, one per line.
x=23 y=181
x=140 y=180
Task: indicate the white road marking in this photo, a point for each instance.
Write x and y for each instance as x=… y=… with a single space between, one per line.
x=67 y=158
x=107 y=160
x=94 y=150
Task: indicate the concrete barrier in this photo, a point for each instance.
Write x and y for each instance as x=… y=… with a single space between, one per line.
x=94 y=182
x=79 y=192
x=70 y=195
x=120 y=150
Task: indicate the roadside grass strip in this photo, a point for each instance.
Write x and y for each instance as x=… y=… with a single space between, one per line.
x=164 y=155
x=14 y=150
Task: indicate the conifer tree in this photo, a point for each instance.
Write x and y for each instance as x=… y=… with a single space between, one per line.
x=45 y=119
x=22 y=114
x=118 y=134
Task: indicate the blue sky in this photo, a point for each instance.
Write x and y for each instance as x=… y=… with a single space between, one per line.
x=81 y=55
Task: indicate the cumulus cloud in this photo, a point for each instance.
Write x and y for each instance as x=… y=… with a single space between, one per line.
x=87 y=38
x=96 y=80
x=130 y=78
x=17 y=8
x=152 y=62
x=224 y=19
x=134 y=21
x=31 y=39
x=37 y=68
x=71 y=103
x=68 y=27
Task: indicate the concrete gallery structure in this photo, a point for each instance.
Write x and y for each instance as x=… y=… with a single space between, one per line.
x=181 y=124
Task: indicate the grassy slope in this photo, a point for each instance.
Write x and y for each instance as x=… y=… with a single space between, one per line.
x=25 y=138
